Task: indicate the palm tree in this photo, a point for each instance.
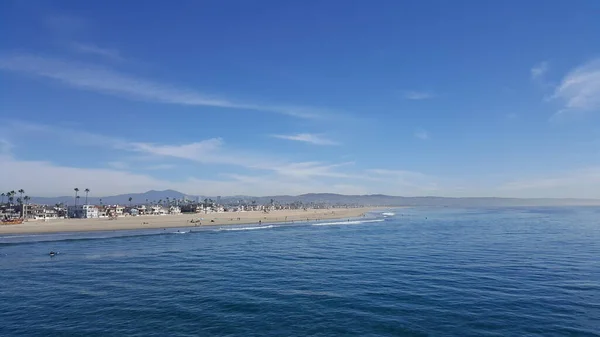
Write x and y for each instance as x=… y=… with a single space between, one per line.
x=21 y=192
x=11 y=197
x=20 y=202
x=3 y=195
x=87 y=191
x=76 y=191
x=160 y=201
x=146 y=201
x=100 y=201
x=167 y=201
x=130 y=198
x=26 y=198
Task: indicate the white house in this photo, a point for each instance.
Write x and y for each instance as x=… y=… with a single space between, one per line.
x=114 y=211
x=83 y=211
x=45 y=214
x=156 y=210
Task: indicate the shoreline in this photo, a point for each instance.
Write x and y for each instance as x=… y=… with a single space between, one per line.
x=182 y=220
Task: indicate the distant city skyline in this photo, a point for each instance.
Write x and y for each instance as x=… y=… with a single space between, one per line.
x=453 y=99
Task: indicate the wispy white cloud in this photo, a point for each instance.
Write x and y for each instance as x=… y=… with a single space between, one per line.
x=269 y=174
x=5 y=146
x=209 y=151
x=107 y=81
x=308 y=138
x=43 y=178
x=250 y=173
x=422 y=134
x=315 y=169
x=88 y=48
x=118 y=165
x=197 y=151
x=539 y=70
x=580 y=88
x=160 y=167
x=417 y=95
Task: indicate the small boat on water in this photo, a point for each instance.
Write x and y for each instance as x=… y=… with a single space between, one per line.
x=12 y=222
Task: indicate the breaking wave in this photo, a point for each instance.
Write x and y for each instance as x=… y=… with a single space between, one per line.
x=244 y=228
x=355 y=222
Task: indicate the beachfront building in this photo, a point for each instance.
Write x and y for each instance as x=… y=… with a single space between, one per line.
x=192 y=208
x=142 y=210
x=114 y=211
x=156 y=210
x=42 y=212
x=102 y=212
x=8 y=212
x=83 y=211
x=174 y=210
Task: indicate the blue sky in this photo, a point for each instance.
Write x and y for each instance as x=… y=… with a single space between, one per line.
x=449 y=98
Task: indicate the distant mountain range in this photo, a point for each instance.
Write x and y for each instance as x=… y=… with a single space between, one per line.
x=329 y=198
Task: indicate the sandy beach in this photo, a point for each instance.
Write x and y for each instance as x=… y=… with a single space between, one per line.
x=183 y=220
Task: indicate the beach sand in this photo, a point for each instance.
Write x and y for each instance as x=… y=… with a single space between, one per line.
x=183 y=220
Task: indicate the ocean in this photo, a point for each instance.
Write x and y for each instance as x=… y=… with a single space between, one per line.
x=418 y=272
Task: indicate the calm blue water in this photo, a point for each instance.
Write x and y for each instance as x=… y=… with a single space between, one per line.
x=423 y=272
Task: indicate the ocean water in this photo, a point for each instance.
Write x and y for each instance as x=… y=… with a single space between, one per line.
x=419 y=272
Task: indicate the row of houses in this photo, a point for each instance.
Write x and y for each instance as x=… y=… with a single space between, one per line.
x=32 y=211
x=45 y=212
x=114 y=211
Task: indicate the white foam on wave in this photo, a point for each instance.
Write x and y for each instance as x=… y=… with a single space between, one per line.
x=388 y=214
x=355 y=222
x=245 y=228
x=17 y=236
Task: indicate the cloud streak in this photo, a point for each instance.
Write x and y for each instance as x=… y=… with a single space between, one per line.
x=422 y=134
x=580 y=88
x=307 y=138
x=209 y=151
x=261 y=173
x=539 y=70
x=107 y=81
x=43 y=178
x=417 y=95
x=92 y=49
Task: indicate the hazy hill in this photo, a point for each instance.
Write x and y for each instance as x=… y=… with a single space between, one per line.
x=330 y=198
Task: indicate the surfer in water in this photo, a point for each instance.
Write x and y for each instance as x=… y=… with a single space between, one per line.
x=53 y=253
